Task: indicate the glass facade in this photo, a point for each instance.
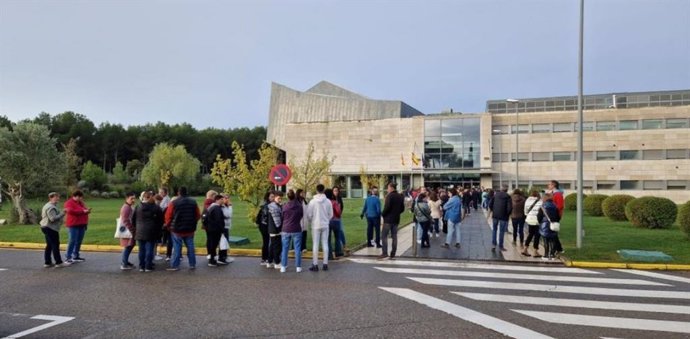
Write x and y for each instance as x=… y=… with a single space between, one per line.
x=451 y=143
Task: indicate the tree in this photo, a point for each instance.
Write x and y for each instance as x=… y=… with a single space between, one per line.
x=371 y=180
x=249 y=181
x=94 y=176
x=170 y=166
x=73 y=162
x=119 y=174
x=6 y=122
x=134 y=168
x=29 y=161
x=308 y=172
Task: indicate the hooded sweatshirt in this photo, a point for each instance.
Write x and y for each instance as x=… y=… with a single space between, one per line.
x=292 y=217
x=319 y=212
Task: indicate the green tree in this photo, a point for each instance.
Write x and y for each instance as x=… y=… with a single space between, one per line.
x=29 y=161
x=134 y=168
x=310 y=170
x=370 y=180
x=170 y=166
x=248 y=180
x=6 y=122
x=73 y=161
x=94 y=176
x=119 y=174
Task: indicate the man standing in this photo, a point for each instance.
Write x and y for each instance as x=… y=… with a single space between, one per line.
x=76 y=222
x=319 y=214
x=501 y=206
x=393 y=206
x=372 y=211
x=181 y=218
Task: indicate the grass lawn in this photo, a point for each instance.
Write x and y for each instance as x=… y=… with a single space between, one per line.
x=603 y=237
x=102 y=224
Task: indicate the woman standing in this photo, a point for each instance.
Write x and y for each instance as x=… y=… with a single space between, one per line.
x=226 y=207
x=262 y=224
x=517 y=216
x=126 y=220
x=423 y=214
x=292 y=230
x=147 y=220
x=305 y=224
x=334 y=227
x=532 y=207
x=51 y=219
x=548 y=213
x=435 y=206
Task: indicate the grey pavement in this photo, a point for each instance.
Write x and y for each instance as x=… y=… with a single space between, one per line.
x=361 y=297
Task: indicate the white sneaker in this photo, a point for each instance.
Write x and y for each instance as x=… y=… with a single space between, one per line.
x=229 y=260
x=278 y=267
x=158 y=257
x=283 y=269
x=298 y=270
x=269 y=265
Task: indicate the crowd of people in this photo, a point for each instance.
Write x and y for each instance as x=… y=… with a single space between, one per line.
x=159 y=220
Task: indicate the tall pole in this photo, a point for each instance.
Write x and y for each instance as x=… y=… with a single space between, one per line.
x=517 y=146
x=580 y=118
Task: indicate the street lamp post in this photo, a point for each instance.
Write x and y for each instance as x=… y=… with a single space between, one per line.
x=517 y=141
x=500 y=161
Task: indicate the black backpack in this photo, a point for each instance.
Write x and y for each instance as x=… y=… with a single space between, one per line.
x=264 y=215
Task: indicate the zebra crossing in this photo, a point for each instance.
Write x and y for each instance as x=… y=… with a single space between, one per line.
x=628 y=303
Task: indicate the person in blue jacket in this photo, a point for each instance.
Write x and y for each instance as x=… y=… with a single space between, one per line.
x=548 y=213
x=453 y=212
x=372 y=210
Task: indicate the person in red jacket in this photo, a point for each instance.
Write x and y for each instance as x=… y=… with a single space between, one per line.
x=76 y=223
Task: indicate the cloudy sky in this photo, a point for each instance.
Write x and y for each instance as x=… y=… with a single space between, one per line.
x=211 y=63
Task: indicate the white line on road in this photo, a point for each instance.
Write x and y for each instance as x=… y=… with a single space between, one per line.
x=603 y=305
x=655 y=275
x=519 y=276
x=472 y=265
x=54 y=321
x=3 y=269
x=467 y=314
x=555 y=288
x=610 y=322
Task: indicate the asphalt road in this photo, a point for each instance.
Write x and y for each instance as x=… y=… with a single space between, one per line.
x=349 y=301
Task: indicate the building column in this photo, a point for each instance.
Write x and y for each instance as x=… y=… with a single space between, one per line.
x=348 y=185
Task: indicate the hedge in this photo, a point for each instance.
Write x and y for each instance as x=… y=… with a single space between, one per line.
x=593 y=203
x=614 y=206
x=571 y=201
x=651 y=212
x=684 y=218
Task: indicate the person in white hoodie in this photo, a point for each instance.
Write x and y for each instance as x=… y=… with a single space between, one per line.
x=319 y=214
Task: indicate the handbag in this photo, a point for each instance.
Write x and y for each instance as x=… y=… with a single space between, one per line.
x=224 y=245
x=121 y=231
x=553 y=226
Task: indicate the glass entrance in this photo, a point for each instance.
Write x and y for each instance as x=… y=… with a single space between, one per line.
x=445 y=180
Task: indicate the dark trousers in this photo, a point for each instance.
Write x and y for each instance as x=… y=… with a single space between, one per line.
x=393 y=229
x=425 y=232
x=304 y=240
x=557 y=244
x=434 y=223
x=334 y=227
x=550 y=247
x=167 y=240
x=445 y=225
x=274 y=248
x=52 y=246
x=374 y=226
x=212 y=241
x=265 y=241
x=533 y=234
x=223 y=254
x=518 y=229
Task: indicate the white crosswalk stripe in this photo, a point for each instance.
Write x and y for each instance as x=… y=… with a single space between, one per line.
x=519 y=276
x=638 y=300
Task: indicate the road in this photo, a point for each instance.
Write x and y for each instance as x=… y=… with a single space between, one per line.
x=358 y=298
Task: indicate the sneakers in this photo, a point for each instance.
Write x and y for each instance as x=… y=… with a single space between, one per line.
x=79 y=259
x=229 y=260
x=167 y=258
x=158 y=257
x=314 y=268
x=269 y=265
x=283 y=269
x=263 y=262
x=47 y=265
x=277 y=266
x=172 y=269
x=445 y=245
x=298 y=270
x=71 y=261
x=222 y=262
x=141 y=270
x=382 y=257
x=457 y=244
x=62 y=264
x=125 y=267
x=325 y=267
x=212 y=263
x=369 y=244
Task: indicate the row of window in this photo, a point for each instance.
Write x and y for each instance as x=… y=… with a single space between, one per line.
x=590 y=126
x=610 y=184
x=651 y=154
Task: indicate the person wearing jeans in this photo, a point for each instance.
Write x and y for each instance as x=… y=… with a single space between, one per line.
x=393 y=206
x=517 y=216
x=126 y=220
x=319 y=214
x=372 y=211
x=335 y=226
x=51 y=218
x=188 y=241
x=453 y=213
x=501 y=206
x=181 y=217
x=532 y=206
x=147 y=220
x=76 y=222
x=291 y=231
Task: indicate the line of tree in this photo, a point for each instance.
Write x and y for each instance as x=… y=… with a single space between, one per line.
x=107 y=144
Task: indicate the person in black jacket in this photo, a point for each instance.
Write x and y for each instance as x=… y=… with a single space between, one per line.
x=500 y=206
x=147 y=219
x=215 y=224
x=393 y=206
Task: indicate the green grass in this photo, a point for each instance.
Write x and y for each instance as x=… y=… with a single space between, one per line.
x=102 y=224
x=603 y=237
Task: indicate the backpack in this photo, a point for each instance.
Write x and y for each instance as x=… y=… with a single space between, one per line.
x=264 y=215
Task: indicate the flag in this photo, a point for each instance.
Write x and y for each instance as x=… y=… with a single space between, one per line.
x=416 y=160
x=402 y=159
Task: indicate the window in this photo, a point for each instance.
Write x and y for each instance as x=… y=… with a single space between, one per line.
x=495 y=157
x=586 y=126
x=563 y=127
x=652 y=124
x=676 y=123
x=606 y=155
x=524 y=156
x=606 y=125
x=562 y=156
x=630 y=185
x=541 y=128
x=626 y=125
x=587 y=156
x=432 y=128
x=676 y=154
x=654 y=185
x=541 y=156
x=630 y=155
x=500 y=129
x=653 y=154
x=606 y=185
x=523 y=129
x=676 y=184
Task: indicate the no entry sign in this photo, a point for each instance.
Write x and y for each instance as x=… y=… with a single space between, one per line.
x=280 y=174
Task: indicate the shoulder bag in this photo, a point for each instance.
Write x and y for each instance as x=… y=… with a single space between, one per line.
x=554 y=226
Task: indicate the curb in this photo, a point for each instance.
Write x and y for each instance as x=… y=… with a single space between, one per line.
x=637 y=266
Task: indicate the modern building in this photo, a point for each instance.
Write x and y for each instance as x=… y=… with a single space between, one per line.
x=634 y=143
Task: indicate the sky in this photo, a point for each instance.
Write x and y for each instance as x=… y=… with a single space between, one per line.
x=211 y=63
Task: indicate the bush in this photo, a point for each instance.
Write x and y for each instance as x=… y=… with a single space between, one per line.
x=95 y=194
x=651 y=212
x=105 y=195
x=571 y=201
x=684 y=218
x=614 y=206
x=592 y=204
x=82 y=184
x=114 y=194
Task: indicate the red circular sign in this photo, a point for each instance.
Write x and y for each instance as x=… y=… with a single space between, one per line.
x=280 y=174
